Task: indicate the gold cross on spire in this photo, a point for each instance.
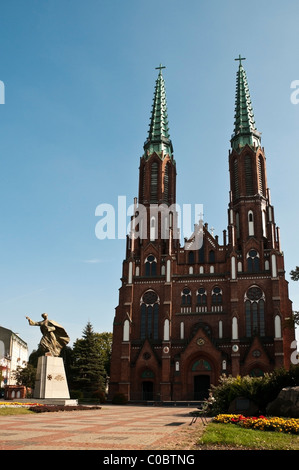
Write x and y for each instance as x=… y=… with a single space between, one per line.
x=240 y=59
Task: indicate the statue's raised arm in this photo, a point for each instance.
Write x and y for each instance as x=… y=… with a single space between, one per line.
x=54 y=336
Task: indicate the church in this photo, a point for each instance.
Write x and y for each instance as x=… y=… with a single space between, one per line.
x=189 y=313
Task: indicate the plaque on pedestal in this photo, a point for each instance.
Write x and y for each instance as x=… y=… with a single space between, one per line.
x=51 y=379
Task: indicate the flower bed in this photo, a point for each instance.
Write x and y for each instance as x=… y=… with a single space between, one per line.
x=6 y=404
x=288 y=425
x=41 y=408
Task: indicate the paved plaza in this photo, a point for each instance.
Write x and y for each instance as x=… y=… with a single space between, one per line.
x=109 y=428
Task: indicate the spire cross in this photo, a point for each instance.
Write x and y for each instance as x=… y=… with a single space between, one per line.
x=240 y=59
x=160 y=67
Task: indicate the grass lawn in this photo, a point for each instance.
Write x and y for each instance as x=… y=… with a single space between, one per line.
x=13 y=410
x=217 y=435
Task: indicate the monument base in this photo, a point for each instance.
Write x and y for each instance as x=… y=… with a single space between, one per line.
x=51 y=380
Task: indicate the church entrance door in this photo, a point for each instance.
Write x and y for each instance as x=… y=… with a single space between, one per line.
x=147 y=390
x=201 y=386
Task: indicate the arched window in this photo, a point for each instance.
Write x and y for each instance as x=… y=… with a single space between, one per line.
x=126 y=330
x=149 y=315
x=216 y=299
x=261 y=176
x=277 y=326
x=238 y=224
x=150 y=266
x=253 y=261
x=250 y=224
x=235 y=332
x=153 y=229
x=154 y=183
x=186 y=296
x=202 y=296
x=182 y=330
x=191 y=257
x=220 y=329
x=166 y=183
x=255 y=312
x=236 y=179
x=211 y=256
x=248 y=176
x=216 y=296
x=166 y=330
x=201 y=253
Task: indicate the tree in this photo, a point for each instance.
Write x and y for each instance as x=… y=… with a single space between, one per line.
x=295 y=274
x=295 y=277
x=25 y=375
x=105 y=346
x=88 y=368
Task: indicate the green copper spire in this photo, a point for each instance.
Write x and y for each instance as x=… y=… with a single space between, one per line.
x=158 y=136
x=245 y=131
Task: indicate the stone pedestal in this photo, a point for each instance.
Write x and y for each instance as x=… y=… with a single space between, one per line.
x=51 y=380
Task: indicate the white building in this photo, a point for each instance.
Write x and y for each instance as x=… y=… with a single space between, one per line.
x=13 y=353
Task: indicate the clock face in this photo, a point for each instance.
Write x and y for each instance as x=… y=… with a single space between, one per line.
x=200 y=342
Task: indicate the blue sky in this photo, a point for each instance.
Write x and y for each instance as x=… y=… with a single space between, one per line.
x=79 y=80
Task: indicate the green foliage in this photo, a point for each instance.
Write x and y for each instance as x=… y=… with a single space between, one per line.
x=230 y=436
x=104 y=341
x=25 y=375
x=100 y=395
x=261 y=390
x=295 y=274
x=119 y=399
x=88 y=373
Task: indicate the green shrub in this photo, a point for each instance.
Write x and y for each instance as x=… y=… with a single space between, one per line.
x=261 y=390
x=100 y=395
x=76 y=394
x=119 y=399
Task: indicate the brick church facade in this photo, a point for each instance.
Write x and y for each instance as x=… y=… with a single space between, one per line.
x=188 y=314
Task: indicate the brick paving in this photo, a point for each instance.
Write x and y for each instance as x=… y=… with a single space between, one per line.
x=110 y=428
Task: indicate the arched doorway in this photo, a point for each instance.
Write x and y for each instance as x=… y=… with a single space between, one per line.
x=201 y=372
x=147 y=384
x=201 y=385
x=147 y=390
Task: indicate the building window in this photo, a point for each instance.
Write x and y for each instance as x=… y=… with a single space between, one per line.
x=253 y=261
x=236 y=179
x=166 y=183
x=217 y=299
x=191 y=257
x=186 y=296
x=153 y=229
x=261 y=176
x=211 y=256
x=182 y=330
x=238 y=224
x=201 y=253
x=248 y=176
x=149 y=315
x=255 y=312
x=201 y=296
x=150 y=266
x=277 y=326
x=216 y=296
x=126 y=331
x=154 y=183
x=250 y=224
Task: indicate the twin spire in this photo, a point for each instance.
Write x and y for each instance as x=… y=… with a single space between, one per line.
x=245 y=131
x=158 y=136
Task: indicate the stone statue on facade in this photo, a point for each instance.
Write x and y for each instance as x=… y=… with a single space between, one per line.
x=54 y=336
